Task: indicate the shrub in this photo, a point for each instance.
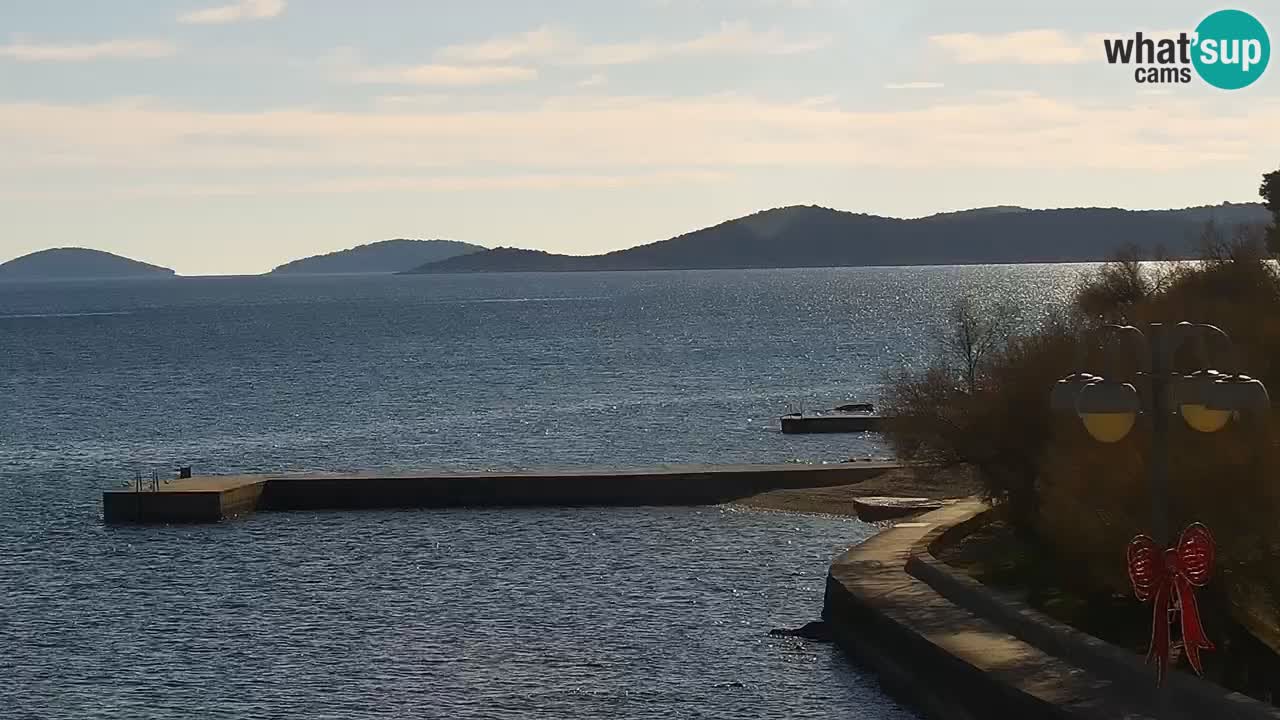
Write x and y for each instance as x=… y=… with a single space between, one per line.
x=982 y=409
x=1083 y=499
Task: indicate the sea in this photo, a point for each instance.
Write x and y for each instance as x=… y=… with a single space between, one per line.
x=468 y=613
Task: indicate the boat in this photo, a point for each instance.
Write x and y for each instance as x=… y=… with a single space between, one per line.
x=855 y=408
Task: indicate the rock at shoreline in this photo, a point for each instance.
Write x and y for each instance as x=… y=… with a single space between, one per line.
x=816 y=630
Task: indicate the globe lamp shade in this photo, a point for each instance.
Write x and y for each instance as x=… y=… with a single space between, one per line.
x=1204 y=419
x=1239 y=393
x=1108 y=409
x=1063 y=396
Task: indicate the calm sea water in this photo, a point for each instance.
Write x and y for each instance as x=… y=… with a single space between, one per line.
x=531 y=613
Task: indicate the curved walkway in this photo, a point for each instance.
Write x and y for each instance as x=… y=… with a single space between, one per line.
x=954 y=662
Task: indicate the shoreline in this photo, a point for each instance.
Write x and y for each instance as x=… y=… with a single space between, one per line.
x=840 y=500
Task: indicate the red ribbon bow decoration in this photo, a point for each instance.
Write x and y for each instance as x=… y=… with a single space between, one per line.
x=1168 y=578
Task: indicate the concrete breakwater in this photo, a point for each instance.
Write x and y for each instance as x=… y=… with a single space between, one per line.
x=215 y=498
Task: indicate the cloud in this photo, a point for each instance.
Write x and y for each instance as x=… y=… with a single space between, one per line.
x=741 y=38
x=594 y=80
x=443 y=75
x=913 y=86
x=235 y=12
x=105 y=50
x=534 y=44
x=1023 y=47
x=511 y=58
x=402 y=103
x=563 y=47
x=1031 y=47
x=429 y=183
x=140 y=147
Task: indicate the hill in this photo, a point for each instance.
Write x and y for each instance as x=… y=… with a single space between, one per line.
x=387 y=256
x=809 y=236
x=77 y=264
x=993 y=210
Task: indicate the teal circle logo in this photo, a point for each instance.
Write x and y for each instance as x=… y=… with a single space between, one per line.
x=1232 y=49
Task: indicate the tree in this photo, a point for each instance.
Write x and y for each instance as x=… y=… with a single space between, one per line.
x=1270 y=192
x=982 y=402
x=973 y=334
x=1117 y=287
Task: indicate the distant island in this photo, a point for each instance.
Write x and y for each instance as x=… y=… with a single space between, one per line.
x=387 y=256
x=810 y=236
x=78 y=264
x=796 y=236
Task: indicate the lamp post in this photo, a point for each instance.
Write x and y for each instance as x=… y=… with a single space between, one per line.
x=1207 y=400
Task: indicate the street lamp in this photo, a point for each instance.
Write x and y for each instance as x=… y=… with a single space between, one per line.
x=1207 y=400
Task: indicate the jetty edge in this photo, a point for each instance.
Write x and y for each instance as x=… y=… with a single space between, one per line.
x=212 y=499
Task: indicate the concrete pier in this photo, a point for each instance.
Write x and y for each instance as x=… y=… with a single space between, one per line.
x=212 y=499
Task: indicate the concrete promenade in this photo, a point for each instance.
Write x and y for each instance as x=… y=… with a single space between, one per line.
x=956 y=650
x=212 y=499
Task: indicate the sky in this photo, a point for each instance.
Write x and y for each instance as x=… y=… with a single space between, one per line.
x=230 y=136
